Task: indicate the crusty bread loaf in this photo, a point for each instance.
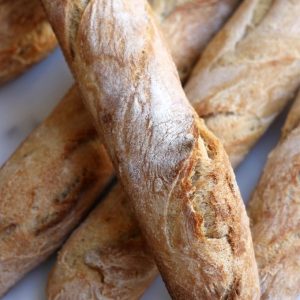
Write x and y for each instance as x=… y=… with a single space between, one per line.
x=25 y=36
x=175 y=171
x=47 y=186
x=32 y=14
x=275 y=213
x=105 y=258
x=54 y=178
x=248 y=73
x=188 y=25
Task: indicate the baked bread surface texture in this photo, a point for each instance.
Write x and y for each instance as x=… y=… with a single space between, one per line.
x=105 y=258
x=275 y=213
x=24 y=22
x=25 y=36
x=47 y=186
x=188 y=25
x=248 y=73
x=176 y=173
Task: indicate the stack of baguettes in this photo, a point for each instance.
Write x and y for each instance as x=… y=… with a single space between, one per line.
x=183 y=214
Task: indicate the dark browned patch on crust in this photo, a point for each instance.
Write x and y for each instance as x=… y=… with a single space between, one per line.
x=79 y=140
x=213 y=177
x=229 y=183
x=234 y=290
x=107 y=118
x=195 y=221
x=66 y=202
x=237 y=246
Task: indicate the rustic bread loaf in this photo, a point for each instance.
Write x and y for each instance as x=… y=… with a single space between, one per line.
x=21 y=17
x=105 y=258
x=275 y=213
x=248 y=73
x=46 y=188
x=175 y=171
x=54 y=178
x=25 y=36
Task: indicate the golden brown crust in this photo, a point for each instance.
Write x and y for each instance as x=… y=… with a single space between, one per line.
x=105 y=258
x=47 y=186
x=25 y=37
x=188 y=25
x=275 y=213
x=23 y=34
x=162 y=152
x=248 y=73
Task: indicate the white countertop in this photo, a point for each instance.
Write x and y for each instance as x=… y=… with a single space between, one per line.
x=25 y=102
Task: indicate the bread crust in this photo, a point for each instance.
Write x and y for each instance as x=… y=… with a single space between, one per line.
x=23 y=20
x=105 y=258
x=46 y=188
x=188 y=25
x=248 y=73
x=293 y=118
x=25 y=37
x=275 y=214
x=163 y=153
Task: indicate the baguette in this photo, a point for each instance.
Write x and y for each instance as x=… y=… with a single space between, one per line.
x=248 y=73
x=105 y=258
x=46 y=188
x=25 y=37
x=220 y=9
x=188 y=25
x=178 y=176
x=275 y=213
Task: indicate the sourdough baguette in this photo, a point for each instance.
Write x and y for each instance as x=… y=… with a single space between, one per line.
x=248 y=73
x=105 y=258
x=176 y=172
x=275 y=213
x=188 y=25
x=25 y=36
x=46 y=188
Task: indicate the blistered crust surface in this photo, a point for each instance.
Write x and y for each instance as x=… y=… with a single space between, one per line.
x=158 y=144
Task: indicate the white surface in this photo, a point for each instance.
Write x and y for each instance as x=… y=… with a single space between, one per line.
x=26 y=101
